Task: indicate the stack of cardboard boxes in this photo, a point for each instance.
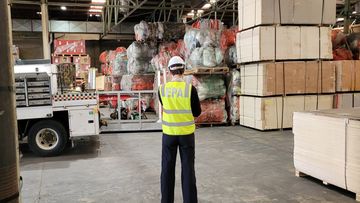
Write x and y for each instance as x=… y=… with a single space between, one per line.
x=283 y=49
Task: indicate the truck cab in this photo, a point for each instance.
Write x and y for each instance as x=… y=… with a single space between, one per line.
x=48 y=118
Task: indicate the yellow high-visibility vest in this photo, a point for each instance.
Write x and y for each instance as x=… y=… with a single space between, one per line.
x=177 y=115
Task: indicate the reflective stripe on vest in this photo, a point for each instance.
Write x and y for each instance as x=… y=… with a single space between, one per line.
x=177 y=114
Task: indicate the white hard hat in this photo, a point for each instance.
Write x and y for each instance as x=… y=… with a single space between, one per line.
x=176 y=63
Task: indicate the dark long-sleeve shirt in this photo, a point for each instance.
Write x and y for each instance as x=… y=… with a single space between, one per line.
x=195 y=102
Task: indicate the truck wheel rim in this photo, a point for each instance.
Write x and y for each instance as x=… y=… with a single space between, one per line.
x=47 y=139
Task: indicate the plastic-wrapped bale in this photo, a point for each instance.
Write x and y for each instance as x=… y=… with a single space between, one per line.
x=208 y=24
x=213 y=111
x=231 y=57
x=173 y=31
x=120 y=64
x=209 y=86
x=227 y=38
x=141 y=31
x=235 y=83
x=116 y=83
x=235 y=109
x=137 y=82
x=212 y=57
x=190 y=40
x=196 y=58
x=208 y=38
x=139 y=56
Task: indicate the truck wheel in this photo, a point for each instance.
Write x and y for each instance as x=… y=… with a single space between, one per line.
x=47 y=138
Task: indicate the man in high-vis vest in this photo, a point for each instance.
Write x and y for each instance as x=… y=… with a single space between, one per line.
x=181 y=104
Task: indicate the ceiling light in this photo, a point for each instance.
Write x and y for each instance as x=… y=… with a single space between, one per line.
x=200 y=11
x=95 y=10
x=98 y=1
x=206 y=6
x=190 y=14
x=354 y=12
x=213 y=1
x=97 y=15
x=39 y=13
x=63 y=8
x=339 y=19
x=91 y=15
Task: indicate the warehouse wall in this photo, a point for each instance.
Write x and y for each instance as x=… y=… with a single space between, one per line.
x=29 y=43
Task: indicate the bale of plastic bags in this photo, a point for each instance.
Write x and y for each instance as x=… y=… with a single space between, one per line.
x=209 y=57
x=227 y=38
x=137 y=82
x=208 y=86
x=196 y=57
x=141 y=31
x=235 y=109
x=235 y=83
x=213 y=111
x=139 y=55
x=230 y=57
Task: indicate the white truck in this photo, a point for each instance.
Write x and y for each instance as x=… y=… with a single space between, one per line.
x=47 y=118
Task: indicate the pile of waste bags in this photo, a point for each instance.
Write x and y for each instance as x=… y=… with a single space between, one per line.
x=114 y=62
x=137 y=82
x=208 y=86
x=213 y=111
x=166 y=51
x=147 y=31
x=139 y=55
x=235 y=109
x=235 y=83
x=231 y=57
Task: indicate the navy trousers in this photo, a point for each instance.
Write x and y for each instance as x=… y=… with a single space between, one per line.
x=186 y=145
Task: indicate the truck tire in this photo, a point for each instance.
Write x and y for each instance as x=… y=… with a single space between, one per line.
x=47 y=138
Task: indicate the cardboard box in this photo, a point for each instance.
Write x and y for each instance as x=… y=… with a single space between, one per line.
x=266 y=43
x=325 y=102
x=357 y=76
x=325 y=43
x=288 y=42
x=309 y=42
x=312 y=80
x=301 y=12
x=328 y=77
x=263 y=46
x=261 y=113
x=345 y=75
x=263 y=79
x=295 y=78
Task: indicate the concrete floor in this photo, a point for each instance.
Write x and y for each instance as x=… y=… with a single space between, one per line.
x=233 y=164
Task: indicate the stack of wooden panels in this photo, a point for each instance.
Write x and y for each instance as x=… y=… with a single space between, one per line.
x=326 y=146
x=286 y=78
x=268 y=113
x=265 y=43
x=281 y=47
x=303 y=12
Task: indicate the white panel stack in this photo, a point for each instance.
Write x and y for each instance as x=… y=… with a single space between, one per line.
x=284 y=43
x=267 y=113
x=275 y=46
x=301 y=12
x=326 y=146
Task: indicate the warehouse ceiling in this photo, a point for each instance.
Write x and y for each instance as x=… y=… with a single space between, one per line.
x=126 y=10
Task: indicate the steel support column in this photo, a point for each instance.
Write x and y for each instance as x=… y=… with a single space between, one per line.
x=45 y=29
x=9 y=156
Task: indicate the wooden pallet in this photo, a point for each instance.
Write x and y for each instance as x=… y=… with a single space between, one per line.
x=206 y=70
x=301 y=174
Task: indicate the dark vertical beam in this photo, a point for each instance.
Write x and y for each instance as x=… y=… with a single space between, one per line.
x=9 y=156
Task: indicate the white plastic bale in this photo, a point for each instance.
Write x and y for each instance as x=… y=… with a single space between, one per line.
x=196 y=57
x=209 y=57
